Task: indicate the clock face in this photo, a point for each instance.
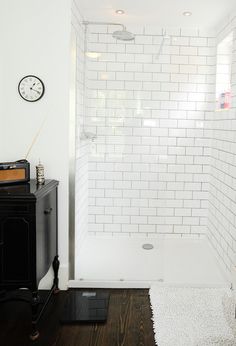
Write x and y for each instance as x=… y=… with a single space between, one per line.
x=31 y=88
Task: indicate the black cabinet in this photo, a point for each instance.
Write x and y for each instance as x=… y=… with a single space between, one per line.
x=28 y=238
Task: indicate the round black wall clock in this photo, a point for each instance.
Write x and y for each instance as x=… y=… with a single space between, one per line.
x=31 y=88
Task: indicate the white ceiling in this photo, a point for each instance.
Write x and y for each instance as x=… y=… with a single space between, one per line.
x=206 y=13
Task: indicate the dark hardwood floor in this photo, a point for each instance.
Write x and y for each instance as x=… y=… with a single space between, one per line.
x=128 y=324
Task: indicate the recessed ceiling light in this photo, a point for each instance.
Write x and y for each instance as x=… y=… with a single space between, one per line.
x=120 y=11
x=187 y=13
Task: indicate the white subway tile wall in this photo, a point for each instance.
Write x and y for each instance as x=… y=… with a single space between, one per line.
x=221 y=129
x=82 y=147
x=149 y=165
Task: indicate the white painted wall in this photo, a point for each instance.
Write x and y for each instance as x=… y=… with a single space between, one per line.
x=35 y=39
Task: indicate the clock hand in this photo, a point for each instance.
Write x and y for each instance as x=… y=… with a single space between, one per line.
x=35 y=90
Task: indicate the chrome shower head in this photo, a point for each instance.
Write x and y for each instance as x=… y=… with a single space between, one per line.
x=123 y=35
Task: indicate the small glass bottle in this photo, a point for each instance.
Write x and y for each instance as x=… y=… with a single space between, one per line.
x=40 y=174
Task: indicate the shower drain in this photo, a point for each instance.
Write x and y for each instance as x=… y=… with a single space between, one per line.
x=147 y=246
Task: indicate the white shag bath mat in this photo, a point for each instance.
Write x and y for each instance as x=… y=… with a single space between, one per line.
x=193 y=316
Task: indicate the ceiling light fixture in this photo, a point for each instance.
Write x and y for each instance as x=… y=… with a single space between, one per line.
x=120 y=11
x=187 y=13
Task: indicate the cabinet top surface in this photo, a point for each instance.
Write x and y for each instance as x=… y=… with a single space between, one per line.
x=27 y=190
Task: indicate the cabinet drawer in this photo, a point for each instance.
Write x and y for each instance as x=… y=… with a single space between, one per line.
x=16 y=208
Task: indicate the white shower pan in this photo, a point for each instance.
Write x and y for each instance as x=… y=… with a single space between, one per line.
x=121 y=262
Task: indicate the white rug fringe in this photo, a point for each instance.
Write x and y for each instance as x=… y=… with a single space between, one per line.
x=193 y=316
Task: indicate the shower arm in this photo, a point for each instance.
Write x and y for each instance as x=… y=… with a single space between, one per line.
x=103 y=23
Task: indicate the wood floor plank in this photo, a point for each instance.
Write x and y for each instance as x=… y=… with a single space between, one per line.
x=128 y=324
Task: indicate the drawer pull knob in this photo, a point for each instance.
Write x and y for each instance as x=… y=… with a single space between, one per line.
x=48 y=211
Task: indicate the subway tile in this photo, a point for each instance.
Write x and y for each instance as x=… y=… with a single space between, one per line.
x=143 y=39
x=134 y=67
x=121 y=219
x=188 y=69
x=152 y=48
x=112 y=227
x=175 y=186
x=115 y=66
x=198 y=60
x=139 y=202
x=190 y=220
x=143 y=58
x=182 y=212
x=164 y=195
x=173 y=220
x=183 y=229
x=147 y=228
x=180 y=41
x=170 y=50
x=160 y=95
x=176 y=150
x=189 y=51
x=94 y=227
x=113 y=193
x=168 y=87
x=179 y=77
x=122 y=202
x=148 y=177
x=179 y=59
x=130 y=211
x=151 y=86
x=119 y=85
x=116 y=48
x=193 y=186
x=122 y=57
x=132 y=193
x=198 y=41
x=153 y=137
x=96 y=192
x=105 y=57
x=148 y=211
x=177 y=132
x=130 y=228
x=133 y=85
x=176 y=168
x=143 y=76
x=103 y=219
x=170 y=68
x=104 y=202
x=179 y=96
x=135 y=48
x=169 y=105
x=156 y=220
x=151 y=67
x=139 y=220
x=206 y=51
